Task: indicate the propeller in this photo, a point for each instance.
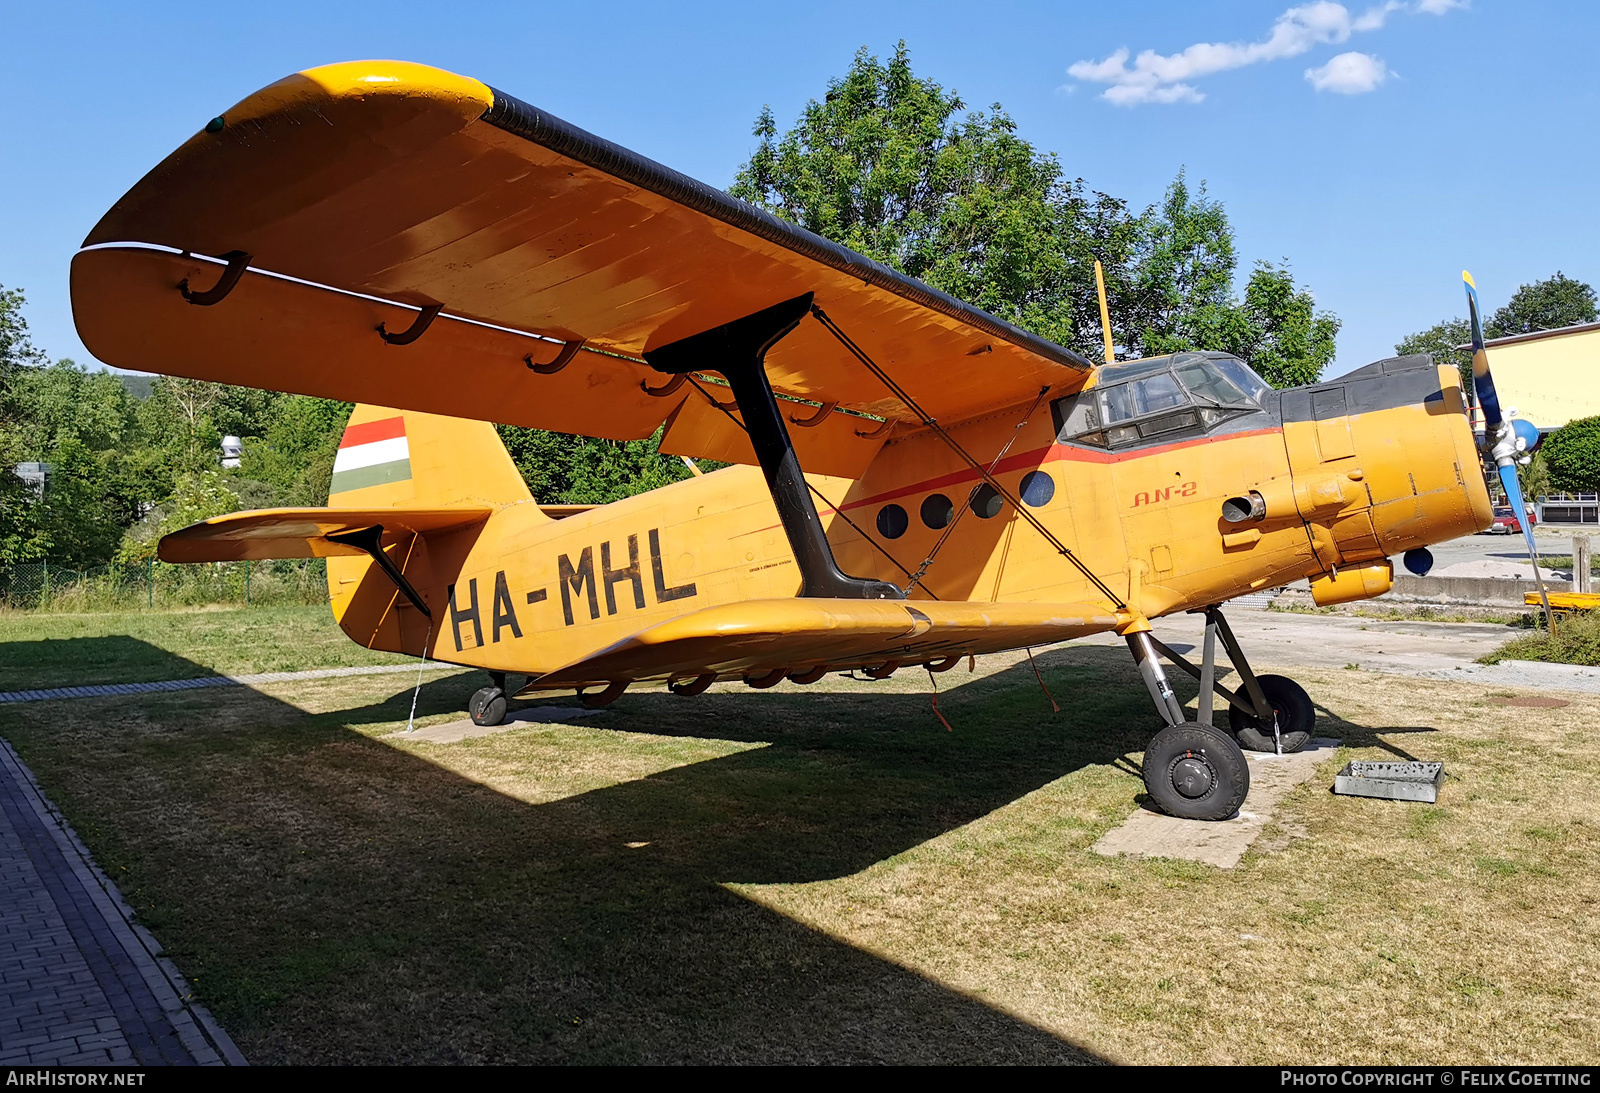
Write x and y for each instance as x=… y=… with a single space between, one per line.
x=1506 y=444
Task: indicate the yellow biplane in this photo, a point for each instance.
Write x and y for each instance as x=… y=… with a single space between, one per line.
x=449 y=256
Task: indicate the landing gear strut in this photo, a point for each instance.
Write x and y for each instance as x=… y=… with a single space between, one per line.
x=487 y=706
x=1191 y=770
x=1267 y=713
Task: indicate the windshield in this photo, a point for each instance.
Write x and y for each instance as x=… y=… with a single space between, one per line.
x=1207 y=383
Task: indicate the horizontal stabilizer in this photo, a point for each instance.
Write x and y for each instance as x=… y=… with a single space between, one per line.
x=759 y=637
x=301 y=533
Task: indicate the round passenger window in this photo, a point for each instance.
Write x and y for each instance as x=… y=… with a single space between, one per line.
x=937 y=511
x=987 y=502
x=892 y=521
x=1037 y=489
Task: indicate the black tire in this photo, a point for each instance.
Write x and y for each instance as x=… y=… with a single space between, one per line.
x=487 y=706
x=1195 y=772
x=1297 y=717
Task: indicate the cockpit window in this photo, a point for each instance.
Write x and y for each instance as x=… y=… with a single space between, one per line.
x=1159 y=398
x=1126 y=401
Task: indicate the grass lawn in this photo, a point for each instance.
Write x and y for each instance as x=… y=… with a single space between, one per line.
x=827 y=875
x=66 y=650
x=1576 y=641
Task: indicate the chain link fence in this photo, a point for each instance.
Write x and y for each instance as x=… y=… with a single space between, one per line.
x=41 y=586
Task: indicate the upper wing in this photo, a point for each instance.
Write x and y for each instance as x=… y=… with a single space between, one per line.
x=758 y=637
x=419 y=187
x=300 y=533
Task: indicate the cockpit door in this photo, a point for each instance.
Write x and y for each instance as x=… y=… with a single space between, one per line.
x=1331 y=411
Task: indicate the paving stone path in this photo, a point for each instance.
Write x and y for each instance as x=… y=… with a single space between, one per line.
x=80 y=982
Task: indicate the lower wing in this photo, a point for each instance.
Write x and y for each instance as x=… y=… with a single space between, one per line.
x=763 y=637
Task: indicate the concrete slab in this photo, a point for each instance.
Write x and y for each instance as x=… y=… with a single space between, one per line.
x=453 y=732
x=1148 y=834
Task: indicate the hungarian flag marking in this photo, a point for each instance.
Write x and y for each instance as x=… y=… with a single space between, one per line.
x=372 y=454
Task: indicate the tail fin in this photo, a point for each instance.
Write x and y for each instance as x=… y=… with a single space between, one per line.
x=401 y=459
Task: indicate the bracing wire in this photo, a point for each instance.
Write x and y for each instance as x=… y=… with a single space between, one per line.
x=411 y=722
x=944 y=536
x=955 y=446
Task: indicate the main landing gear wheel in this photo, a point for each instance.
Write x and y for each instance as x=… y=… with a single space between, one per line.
x=1195 y=772
x=1296 y=717
x=487 y=706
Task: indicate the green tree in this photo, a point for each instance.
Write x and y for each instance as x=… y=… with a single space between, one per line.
x=65 y=401
x=1535 y=477
x=610 y=470
x=889 y=165
x=19 y=534
x=579 y=470
x=1287 y=340
x=1181 y=276
x=16 y=348
x=1549 y=304
x=1441 y=340
x=197 y=495
x=1572 y=454
x=179 y=418
x=295 y=448
x=1544 y=305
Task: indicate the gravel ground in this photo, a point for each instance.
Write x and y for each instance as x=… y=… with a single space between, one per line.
x=1427 y=650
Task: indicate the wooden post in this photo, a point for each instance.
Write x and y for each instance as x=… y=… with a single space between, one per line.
x=1580 y=563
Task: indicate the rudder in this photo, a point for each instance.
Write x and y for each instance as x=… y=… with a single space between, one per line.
x=404 y=459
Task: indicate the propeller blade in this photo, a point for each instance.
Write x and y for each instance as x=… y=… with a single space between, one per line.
x=1482 y=381
x=1501 y=436
x=1513 y=488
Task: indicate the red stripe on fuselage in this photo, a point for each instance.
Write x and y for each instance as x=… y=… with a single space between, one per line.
x=368 y=431
x=1055 y=453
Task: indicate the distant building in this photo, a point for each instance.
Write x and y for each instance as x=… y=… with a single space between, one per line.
x=36 y=475
x=232 y=450
x=1550 y=377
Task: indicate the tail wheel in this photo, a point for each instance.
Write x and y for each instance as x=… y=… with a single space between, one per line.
x=487 y=706
x=1195 y=772
x=1297 y=717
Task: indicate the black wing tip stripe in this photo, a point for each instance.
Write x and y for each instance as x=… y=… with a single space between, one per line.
x=529 y=122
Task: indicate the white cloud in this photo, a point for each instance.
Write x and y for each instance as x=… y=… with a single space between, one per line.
x=1349 y=74
x=1374 y=18
x=1167 y=78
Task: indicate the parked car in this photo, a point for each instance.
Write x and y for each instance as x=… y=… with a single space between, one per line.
x=1505 y=522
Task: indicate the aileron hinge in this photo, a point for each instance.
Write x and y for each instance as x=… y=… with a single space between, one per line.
x=563 y=358
x=238 y=261
x=814 y=419
x=418 y=327
x=666 y=388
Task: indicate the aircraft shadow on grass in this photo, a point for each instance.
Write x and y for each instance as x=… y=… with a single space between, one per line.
x=561 y=941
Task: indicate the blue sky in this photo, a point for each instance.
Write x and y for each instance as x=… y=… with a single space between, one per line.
x=1379 y=148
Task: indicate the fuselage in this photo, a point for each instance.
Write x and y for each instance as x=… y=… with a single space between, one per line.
x=1342 y=476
